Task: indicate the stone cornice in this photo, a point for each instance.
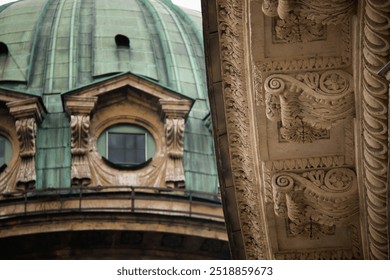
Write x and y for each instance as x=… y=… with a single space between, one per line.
x=27 y=108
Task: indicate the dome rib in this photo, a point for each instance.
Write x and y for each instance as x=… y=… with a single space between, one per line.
x=187 y=44
x=165 y=43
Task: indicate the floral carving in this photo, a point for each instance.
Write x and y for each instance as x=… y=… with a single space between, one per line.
x=295 y=29
x=315 y=201
x=231 y=22
x=324 y=12
x=308 y=103
x=79 y=108
x=79 y=147
x=174 y=133
x=26 y=130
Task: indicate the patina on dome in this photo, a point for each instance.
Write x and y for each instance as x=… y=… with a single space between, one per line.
x=55 y=46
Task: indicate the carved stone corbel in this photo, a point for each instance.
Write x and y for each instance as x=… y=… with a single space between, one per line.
x=315 y=201
x=79 y=109
x=27 y=113
x=175 y=113
x=309 y=104
x=319 y=11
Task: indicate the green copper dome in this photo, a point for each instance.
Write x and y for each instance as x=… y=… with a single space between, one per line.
x=55 y=46
x=50 y=47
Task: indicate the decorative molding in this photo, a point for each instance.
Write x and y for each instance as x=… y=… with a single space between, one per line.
x=175 y=112
x=314 y=62
x=231 y=22
x=307 y=104
x=316 y=10
x=276 y=166
x=374 y=103
x=79 y=148
x=258 y=70
x=297 y=29
x=26 y=129
x=174 y=134
x=27 y=113
x=315 y=201
x=80 y=108
x=338 y=254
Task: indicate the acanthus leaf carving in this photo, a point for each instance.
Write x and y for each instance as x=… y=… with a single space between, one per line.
x=231 y=22
x=309 y=104
x=79 y=108
x=175 y=112
x=319 y=11
x=27 y=113
x=79 y=148
x=174 y=133
x=297 y=29
x=315 y=201
x=26 y=130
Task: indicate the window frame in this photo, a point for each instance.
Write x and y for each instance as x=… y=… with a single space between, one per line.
x=126 y=133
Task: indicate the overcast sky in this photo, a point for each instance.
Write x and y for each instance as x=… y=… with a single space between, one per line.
x=192 y=4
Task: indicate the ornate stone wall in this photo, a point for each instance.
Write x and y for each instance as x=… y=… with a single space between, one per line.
x=295 y=101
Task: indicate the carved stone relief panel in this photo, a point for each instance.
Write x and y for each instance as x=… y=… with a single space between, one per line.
x=317 y=10
x=317 y=200
x=309 y=104
x=175 y=113
x=27 y=114
x=296 y=29
x=80 y=109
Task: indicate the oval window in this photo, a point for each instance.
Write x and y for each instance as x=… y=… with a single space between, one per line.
x=126 y=145
x=5 y=152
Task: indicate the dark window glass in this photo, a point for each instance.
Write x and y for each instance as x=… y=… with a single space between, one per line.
x=125 y=148
x=2 y=151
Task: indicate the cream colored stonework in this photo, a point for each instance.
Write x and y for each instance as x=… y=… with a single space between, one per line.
x=301 y=126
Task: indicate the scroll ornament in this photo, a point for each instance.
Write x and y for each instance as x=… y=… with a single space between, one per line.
x=319 y=11
x=309 y=104
x=26 y=129
x=316 y=201
x=174 y=133
x=79 y=148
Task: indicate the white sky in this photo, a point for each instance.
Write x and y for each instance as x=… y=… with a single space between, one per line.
x=192 y=4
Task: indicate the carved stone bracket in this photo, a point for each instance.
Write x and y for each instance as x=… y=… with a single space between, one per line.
x=174 y=113
x=27 y=113
x=308 y=104
x=79 y=109
x=315 y=201
x=325 y=12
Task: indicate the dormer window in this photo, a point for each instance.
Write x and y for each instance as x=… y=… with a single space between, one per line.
x=122 y=41
x=3 y=49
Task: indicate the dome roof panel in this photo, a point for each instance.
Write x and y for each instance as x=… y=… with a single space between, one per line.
x=59 y=45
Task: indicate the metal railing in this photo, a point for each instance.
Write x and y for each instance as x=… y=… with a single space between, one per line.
x=83 y=195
